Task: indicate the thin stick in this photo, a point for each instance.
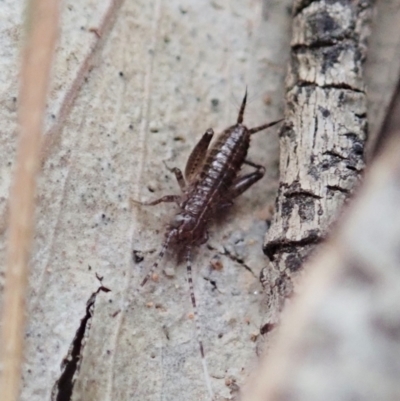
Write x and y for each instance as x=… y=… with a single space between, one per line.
x=41 y=34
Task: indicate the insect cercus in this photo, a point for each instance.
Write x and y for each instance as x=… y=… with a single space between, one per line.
x=211 y=182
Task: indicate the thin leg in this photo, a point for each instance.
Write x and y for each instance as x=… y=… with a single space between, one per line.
x=243 y=183
x=252 y=164
x=158 y=260
x=242 y=107
x=166 y=198
x=197 y=156
x=196 y=320
x=178 y=175
x=264 y=126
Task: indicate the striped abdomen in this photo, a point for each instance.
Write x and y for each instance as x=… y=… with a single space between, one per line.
x=210 y=189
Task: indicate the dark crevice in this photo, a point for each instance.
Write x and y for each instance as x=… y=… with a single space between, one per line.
x=361 y=115
x=63 y=388
x=342 y=86
x=352 y=168
x=315 y=131
x=336 y=188
x=334 y=154
x=322 y=44
x=238 y=260
x=352 y=136
x=280 y=246
x=266 y=328
x=301 y=193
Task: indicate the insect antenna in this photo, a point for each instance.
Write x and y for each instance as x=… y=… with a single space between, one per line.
x=242 y=107
x=158 y=260
x=264 y=126
x=197 y=323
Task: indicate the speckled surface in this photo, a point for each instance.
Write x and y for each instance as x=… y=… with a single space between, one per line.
x=166 y=73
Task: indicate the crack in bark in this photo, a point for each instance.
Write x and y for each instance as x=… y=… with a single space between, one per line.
x=301 y=193
x=272 y=248
x=315 y=131
x=361 y=115
x=323 y=44
x=340 y=86
x=334 y=154
x=352 y=168
x=267 y=327
x=63 y=387
x=293 y=195
x=336 y=188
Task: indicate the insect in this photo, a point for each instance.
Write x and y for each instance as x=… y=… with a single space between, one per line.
x=211 y=183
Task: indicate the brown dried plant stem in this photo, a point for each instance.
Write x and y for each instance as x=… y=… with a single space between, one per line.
x=41 y=34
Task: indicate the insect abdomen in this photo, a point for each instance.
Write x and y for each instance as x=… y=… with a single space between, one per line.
x=221 y=167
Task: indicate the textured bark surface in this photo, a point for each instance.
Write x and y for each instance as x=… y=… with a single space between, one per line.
x=341 y=337
x=325 y=130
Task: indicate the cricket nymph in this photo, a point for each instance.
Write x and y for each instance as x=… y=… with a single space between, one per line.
x=212 y=188
x=211 y=183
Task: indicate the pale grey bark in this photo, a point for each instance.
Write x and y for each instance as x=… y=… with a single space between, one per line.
x=323 y=138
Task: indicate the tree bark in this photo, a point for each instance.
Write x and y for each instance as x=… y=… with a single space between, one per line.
x=322 y=141
x=340 y=339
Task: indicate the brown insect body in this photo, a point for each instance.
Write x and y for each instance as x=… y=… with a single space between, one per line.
x=211 y=183
x=210 y=190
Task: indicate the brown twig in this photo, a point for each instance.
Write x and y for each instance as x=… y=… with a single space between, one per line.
x=41 y=34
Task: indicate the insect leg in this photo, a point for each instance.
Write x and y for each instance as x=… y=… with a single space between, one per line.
x=256 y=166
x=243 y=183
x=178 y=175
x=198 y=154
x=166 y=198
x=196 y=320
x=264 y=126
x=159 y=257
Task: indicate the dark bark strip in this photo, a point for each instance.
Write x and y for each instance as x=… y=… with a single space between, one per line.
x=322 y=140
